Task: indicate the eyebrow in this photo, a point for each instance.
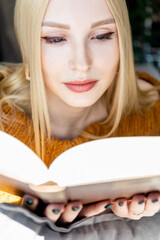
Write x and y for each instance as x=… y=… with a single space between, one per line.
x=64 y=26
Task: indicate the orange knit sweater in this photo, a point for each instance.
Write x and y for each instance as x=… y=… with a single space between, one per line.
x=133 y=125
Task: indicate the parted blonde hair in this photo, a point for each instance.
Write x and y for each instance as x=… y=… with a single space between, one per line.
x=122 y=97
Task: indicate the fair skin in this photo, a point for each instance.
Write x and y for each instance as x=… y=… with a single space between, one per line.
x=82 y=51
x=79 y=56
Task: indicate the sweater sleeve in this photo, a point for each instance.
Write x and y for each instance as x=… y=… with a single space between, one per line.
x=148 y=78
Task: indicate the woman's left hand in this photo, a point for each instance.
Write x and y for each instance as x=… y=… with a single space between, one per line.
x=139 y=206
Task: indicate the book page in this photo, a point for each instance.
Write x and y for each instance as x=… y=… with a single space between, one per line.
x=106 y=160
x=20 y=162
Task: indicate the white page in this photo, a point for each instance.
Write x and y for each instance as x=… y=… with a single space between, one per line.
x=112 y=158
x=20 y=162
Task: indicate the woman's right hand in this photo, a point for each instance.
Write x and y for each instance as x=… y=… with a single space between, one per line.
x=62 y=214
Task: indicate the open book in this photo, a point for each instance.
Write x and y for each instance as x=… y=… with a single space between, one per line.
x=90 y=172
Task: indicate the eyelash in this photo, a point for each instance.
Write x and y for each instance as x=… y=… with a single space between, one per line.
x=102 y=37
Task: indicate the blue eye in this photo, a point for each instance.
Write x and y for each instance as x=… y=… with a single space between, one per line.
x=53 y=40
x=106 y=36
x=57 y=40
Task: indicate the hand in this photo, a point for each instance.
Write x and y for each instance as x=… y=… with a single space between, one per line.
x=64 y=214
x=138 y=207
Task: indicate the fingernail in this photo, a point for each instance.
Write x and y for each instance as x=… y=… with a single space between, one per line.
x=155 y=200
x=29 y=201
x=56 y=211
x=75 y=208
x=108 y=205
x=121 y=204
x=141 y=202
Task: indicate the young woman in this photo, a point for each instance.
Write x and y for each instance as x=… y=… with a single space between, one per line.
x=77 y=83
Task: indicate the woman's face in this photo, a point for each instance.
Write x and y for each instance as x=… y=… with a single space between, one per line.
x=79 y=42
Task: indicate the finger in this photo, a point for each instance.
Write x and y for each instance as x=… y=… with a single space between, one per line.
x=54 y=211
x=152 y=204
x=95 y=208
x=71 y=212
x=30 y=202
x=120 y=207
x=137 y=207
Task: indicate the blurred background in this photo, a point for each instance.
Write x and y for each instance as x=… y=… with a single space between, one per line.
x=145 y=24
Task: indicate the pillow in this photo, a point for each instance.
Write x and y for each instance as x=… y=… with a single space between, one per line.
x=18 y=222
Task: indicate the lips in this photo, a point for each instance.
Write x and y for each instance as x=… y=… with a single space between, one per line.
x=81 y=86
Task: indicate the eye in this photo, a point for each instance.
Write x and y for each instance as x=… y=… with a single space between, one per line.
x=53 y=40
x=103 y=37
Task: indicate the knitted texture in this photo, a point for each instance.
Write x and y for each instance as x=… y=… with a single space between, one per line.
x=21 y=128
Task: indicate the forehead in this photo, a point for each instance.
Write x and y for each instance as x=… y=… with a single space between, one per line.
x=77 y=11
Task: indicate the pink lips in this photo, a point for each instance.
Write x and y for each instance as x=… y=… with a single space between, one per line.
x=81 y=86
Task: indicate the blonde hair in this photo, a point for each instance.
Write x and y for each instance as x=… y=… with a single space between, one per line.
x=122 y=97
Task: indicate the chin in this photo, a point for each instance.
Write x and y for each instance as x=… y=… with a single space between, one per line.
x=81 y=104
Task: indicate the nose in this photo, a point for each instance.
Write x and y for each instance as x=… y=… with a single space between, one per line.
x=81 y=60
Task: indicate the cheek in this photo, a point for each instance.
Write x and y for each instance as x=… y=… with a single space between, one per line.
x=107 y=58
x=52 y=63
x=46 y=61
